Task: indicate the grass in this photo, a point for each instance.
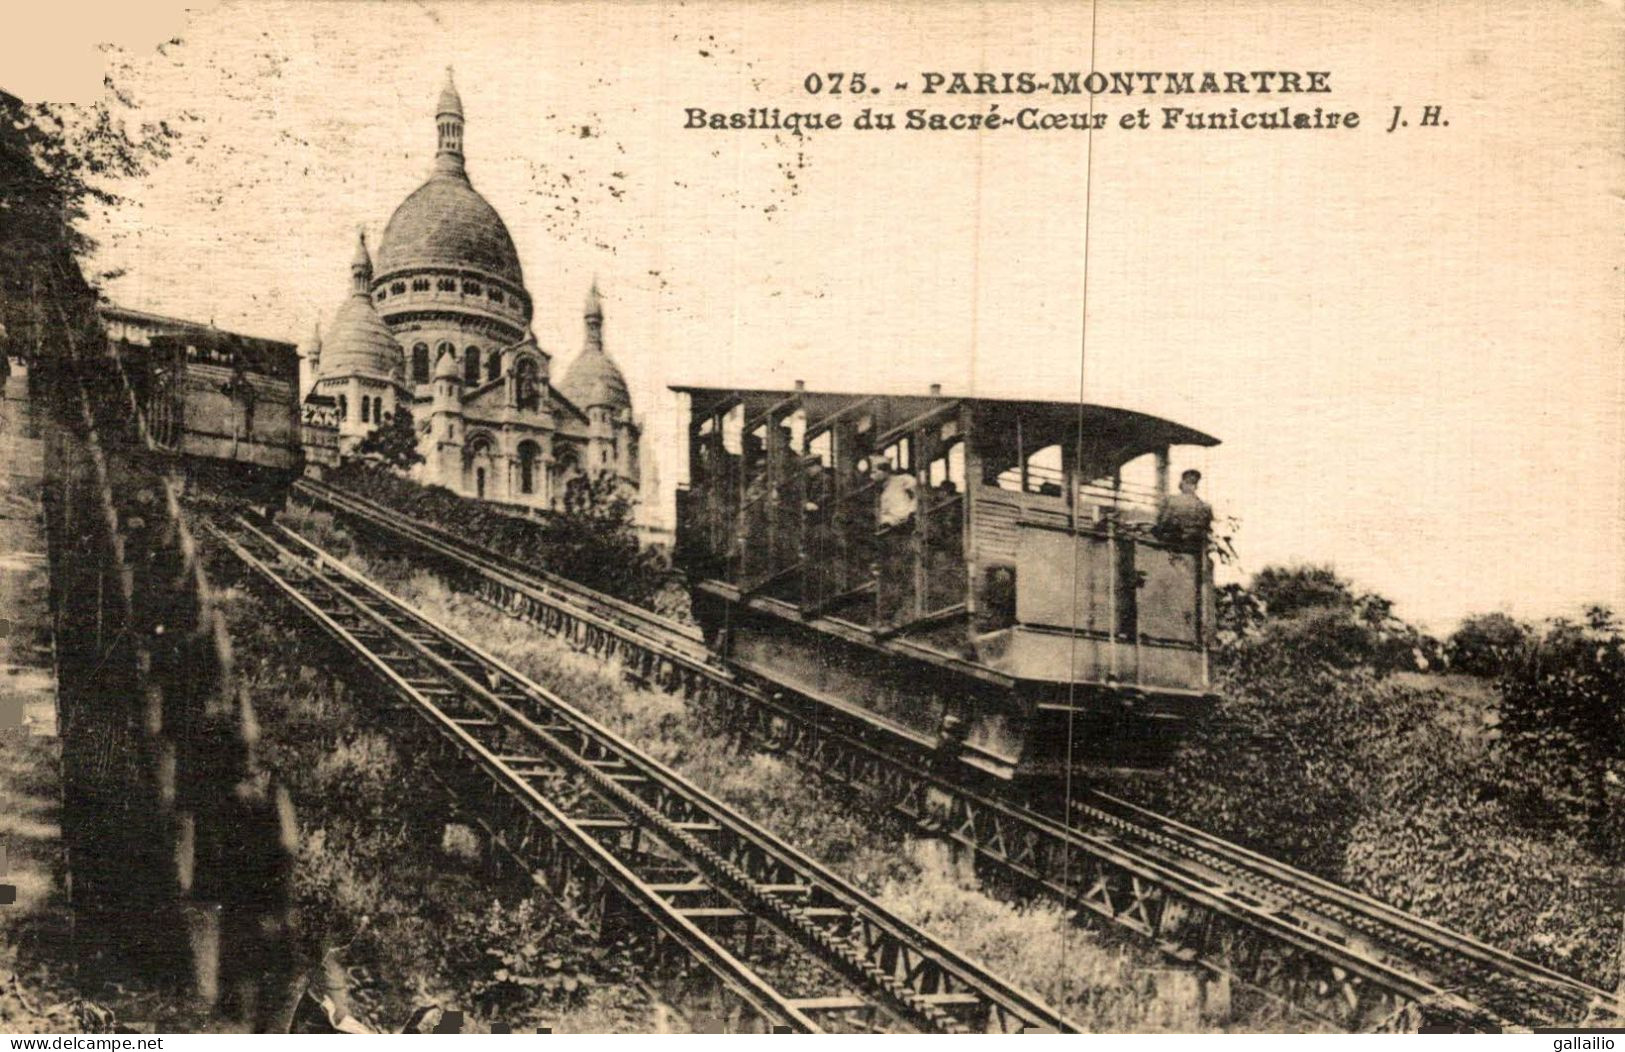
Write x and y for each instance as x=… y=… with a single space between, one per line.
x=390 y=902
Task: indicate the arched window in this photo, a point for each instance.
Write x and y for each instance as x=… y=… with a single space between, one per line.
x=420 y=363
x=397 y=288
x=493 y=366
x=344 y=407
x=471 y=366
x=420 y=284
x=527 y=390
x=528 y=454
x=366 y=409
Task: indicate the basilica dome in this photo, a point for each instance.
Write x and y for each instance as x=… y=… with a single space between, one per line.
x=594 y=379
x=446 y=223
x=360 y=344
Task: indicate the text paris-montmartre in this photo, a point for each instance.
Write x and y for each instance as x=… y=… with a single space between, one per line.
x=1026 y=118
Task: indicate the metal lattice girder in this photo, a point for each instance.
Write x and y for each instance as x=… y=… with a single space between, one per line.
x=635 y=806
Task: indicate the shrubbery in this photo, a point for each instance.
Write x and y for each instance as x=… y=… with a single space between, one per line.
x=1483 y=644
x=590 y=540
x=1304 y=619
x=1289 y=762
x=1563 y=723
x=1325 y=752
x=396 y=443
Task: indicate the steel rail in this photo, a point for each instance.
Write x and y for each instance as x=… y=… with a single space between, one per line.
x=296 y=582
x=606 y=606
x=1512 y=981
x=916 y=979
x=892 y=949
x=1342 y=957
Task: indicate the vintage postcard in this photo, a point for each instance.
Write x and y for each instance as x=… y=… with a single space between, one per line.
x=677 y=518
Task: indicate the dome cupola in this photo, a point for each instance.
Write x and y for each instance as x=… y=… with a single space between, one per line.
x=445 y=224
x=594 y=379
x=447 y=368
x=358 y=342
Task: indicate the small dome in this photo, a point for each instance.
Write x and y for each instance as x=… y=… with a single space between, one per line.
x=594 y=379
x=446 y=368
x=359 y=344
x=446 y=223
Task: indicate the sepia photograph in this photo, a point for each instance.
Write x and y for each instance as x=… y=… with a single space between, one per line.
x=667 y=518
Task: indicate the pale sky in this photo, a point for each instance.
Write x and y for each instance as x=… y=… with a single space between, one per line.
x=1409 y=343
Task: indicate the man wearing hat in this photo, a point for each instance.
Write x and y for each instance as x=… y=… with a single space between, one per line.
x=1184 y=518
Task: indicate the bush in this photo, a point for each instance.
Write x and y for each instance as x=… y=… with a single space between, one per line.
x=1562 y=714
x=1286 y=764
x=396 y=443
x=590 y=540
x=1286 y=590
x=1306 y=618
x=1437 y=842
x=1483 y=644
x=517 y=956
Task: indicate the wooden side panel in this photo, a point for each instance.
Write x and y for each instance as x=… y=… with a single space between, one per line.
x=1168 y=593
x=1063 y=580
x=993 y=527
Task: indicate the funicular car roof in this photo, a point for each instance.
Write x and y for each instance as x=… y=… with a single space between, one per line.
x=1147 y=430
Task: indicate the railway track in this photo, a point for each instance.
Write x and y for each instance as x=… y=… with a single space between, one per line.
x=1344 y=958
x=626 y=843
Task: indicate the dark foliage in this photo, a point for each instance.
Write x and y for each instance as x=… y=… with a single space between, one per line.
x=591 y=540
x=395 y=444
x=1286 y=764
x=1308 y=619
x=60 y=161
x=1484 y=644
x=1286 y=590
x=1562 y=720
x=1323 y=754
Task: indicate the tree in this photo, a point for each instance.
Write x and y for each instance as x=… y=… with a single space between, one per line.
x=592 y=540
x=395 y=443
x=1484 y=643
x=1286 y=590
x=1298 y=618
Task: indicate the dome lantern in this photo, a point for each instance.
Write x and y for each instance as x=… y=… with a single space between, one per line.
x=361 y=266
x=594 y=317
x=448 y=121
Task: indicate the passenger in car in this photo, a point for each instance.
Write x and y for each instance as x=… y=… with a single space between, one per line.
x=819 y=483
x=898 y=497
x=1184 y=518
